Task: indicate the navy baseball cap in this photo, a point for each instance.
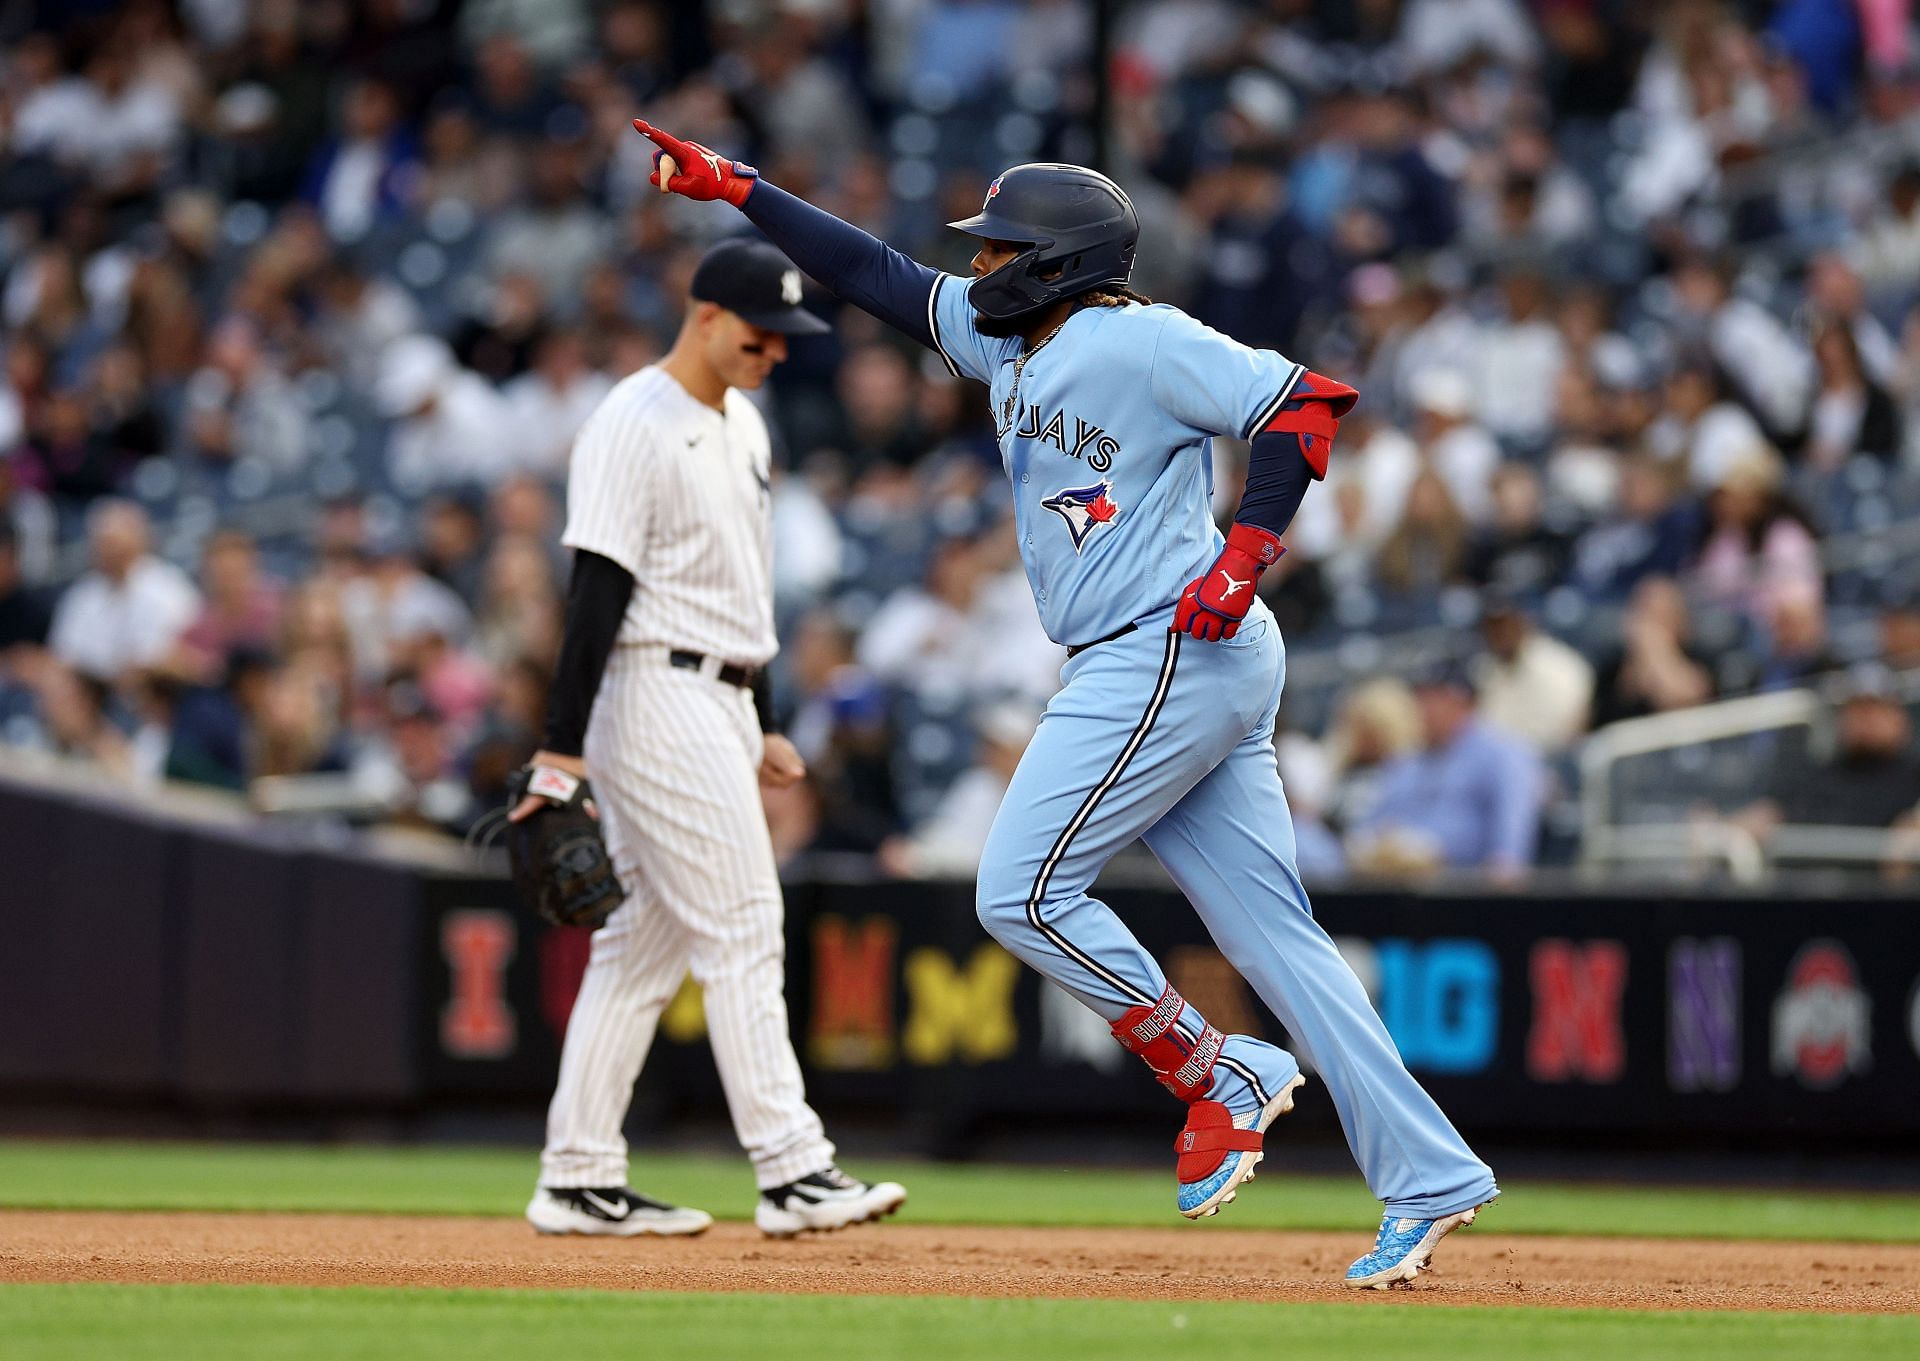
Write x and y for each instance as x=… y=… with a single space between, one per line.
x=758 y=284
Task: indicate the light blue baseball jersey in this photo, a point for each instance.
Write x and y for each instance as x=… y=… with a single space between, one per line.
x=1107 y=439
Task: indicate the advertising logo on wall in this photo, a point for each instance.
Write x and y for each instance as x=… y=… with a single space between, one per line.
x=1822 y=1020
x=1703 y=1014
x=1699 y=1017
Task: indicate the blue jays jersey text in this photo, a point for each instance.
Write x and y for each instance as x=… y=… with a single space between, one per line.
x=1106 y=438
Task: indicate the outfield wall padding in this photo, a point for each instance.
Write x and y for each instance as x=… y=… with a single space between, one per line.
x=233 y=969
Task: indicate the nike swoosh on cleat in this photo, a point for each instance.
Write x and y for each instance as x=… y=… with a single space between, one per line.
x=609 y=1208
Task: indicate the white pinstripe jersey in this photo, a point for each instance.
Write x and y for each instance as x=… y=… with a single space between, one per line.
x=678 y=494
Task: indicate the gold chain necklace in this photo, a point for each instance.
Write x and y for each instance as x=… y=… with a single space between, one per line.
x=1019 y=369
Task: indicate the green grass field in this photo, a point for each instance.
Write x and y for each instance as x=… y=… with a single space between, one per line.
x=491 y=1181
x=258 y=1323
x=244 y=1323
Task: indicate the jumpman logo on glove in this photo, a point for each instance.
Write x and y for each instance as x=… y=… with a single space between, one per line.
x=1212 y=612
x=687 y=168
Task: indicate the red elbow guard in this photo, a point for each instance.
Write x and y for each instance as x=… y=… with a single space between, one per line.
x=1313 y=412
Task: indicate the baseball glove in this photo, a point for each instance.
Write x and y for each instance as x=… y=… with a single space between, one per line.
x=560 y=863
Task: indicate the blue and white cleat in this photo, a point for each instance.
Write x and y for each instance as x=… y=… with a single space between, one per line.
x=1403 y=1248
x=1219 y=1152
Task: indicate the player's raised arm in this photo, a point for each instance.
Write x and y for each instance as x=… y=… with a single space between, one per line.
x=862 y=269
x=1287 y=414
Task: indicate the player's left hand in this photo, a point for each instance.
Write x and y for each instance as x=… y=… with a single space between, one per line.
x=1214 y=605
x=781 y=764
x=683 y=167
x=558 y=857
x=533 y=802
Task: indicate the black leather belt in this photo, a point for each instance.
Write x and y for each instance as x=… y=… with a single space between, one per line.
x=1078 y=648
x=741 y=676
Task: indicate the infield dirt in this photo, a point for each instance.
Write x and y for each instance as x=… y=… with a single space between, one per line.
x=1476 y=1267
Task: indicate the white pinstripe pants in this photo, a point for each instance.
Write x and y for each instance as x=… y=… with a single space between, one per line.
x=674 y=757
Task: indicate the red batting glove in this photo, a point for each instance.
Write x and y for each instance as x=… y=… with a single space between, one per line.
x=1212 y=606
x=697 y=172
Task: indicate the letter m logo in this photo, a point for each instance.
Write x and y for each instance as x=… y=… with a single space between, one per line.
x=1577 y=989
x=964 y=1013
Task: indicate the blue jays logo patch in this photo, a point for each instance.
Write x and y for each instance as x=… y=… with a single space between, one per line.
x=992 y=189
x=1084 y=509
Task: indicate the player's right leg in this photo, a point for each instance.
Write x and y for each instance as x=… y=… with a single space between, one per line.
x=638 y=961
x=1137 y=721
x=686 y=755
x=1229 y=846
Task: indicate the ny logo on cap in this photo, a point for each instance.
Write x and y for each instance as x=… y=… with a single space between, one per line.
x=790 y=288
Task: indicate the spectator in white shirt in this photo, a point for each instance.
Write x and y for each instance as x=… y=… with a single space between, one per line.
x=116 y=127
x=1526 y=198
x=1773 y=370
x=552 y=400
x=1836 y=291
x=557 y=236
x=130 y=610
x=1700 y=428
x=450 y=425
x=1519 y=357
x=920 y=639
x=49 y=104
x=948 y=843
x=970 y=634
x=367 y=173
x=241 y=406
x=554 y=32
x=1531 y=684
x=1437 y=333
x=1437 y=34
x=801 y=99
x=1886 y=253
x=360 y=315
x=393 y=605
x=1461 y=452
x=1344 y=522
x=806 y=543
x=34 y=524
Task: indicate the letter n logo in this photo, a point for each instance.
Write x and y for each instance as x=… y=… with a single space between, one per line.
x=1703 y=1015
x=852 y=1022
x=477 y=1023
x=1576 y=1011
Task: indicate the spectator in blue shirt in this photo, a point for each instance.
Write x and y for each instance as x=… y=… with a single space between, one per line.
x=1468 y=799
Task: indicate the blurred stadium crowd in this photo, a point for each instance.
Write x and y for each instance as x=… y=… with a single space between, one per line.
x=303 y=303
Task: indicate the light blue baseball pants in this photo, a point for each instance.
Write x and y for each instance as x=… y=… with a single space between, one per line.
x=1160 y=736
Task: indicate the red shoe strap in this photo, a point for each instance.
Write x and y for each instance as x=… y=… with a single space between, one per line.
x=1228 y=1140
x=1209 y=1136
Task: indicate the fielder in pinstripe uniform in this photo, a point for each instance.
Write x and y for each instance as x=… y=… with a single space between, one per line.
x=659 y=695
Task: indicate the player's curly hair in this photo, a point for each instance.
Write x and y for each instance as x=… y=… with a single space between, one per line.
x=1113 y=295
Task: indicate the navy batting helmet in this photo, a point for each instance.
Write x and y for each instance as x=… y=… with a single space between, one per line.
x=1078 y=227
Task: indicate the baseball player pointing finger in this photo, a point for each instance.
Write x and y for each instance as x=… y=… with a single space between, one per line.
x=1105 y=406
x=659 y=695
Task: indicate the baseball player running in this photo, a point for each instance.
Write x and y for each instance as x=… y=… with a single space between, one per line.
x=669 y=622
x=1105 y=406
